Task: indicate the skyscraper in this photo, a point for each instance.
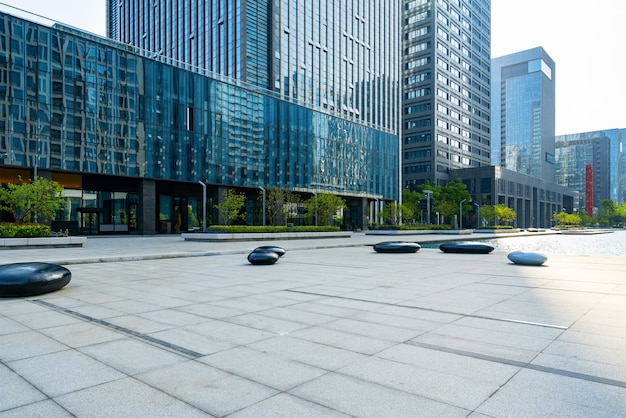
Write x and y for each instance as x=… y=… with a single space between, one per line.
x=602 y=150
x=446 y=88
x=130 y=133
x=523 y=113
x=336 y=55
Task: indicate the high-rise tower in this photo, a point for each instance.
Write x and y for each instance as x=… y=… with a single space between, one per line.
x=523 y=113
x=337 y=55
x=446 y=88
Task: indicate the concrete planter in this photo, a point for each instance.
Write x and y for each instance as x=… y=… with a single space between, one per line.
x=218 y=237
x=496 y=231
x=44 y=242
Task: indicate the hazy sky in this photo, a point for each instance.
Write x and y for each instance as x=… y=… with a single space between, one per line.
x=584 y=38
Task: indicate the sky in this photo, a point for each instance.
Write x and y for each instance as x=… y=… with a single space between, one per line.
x=584 y=38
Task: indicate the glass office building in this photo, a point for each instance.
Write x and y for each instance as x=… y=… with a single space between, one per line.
x=130 y=135
x=523 y=116
x=446 y=88
x=338 y=55
x=603 y=151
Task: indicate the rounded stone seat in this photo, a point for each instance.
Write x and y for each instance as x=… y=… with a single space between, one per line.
x=527 y=258
x=397 y=247
x=28 y=279
x=466 y=248
x=274 y=248
x=262 y=257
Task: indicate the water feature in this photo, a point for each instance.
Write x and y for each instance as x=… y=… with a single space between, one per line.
x=593 y=244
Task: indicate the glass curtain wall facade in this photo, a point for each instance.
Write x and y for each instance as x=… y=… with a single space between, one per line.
x=603 y=151
x=446 y=88
x=523 y=103
x=337 y=55
x=74 y=103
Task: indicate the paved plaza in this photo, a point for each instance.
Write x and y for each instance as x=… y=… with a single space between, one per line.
x=161 y=327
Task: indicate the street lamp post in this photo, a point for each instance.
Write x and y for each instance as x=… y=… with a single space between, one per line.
x=428 y=193
x=461 y=213
x=477 y=213
x=203 y=205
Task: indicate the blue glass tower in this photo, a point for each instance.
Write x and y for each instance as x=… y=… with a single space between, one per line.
x=129 y=134
x=338 y=55
x=523 y=113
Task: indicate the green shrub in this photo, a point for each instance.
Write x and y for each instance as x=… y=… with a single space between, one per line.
x=10 y=230
x=417 y=227
x=496 y=227
x=238 y=229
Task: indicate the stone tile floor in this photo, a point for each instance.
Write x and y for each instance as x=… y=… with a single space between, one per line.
x=340 y=331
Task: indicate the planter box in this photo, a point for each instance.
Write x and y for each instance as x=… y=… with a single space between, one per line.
x=252 y=236
x=400 y=232
x=496 y=231
x=44 y=242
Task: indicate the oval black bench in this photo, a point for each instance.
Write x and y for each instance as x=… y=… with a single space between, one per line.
x=466 y=248
x=28 y=279
x=397 y=247
x=262 y=257
x=280 y=251
x=527 y=258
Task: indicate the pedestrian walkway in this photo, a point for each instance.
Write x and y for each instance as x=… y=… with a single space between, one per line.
x=168 y=328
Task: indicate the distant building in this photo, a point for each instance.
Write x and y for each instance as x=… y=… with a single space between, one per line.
x=534 y=200
x=446 y=83
x=603 y=150
x=523 y=113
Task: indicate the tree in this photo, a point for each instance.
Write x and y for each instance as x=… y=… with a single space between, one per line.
x=411 y=201
x=497 y=214
x=393 y=212
x=449 y=197
x=504 y=213
x=230 y=206
x=279 y=204
x=38 y=200
x=566 y=219
x=323 y=206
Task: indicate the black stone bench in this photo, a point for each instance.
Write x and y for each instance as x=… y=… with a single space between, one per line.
x=28 y=279
x=397 y=247
x=466 y=248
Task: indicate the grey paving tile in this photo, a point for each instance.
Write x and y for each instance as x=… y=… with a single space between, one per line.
x=138 y=324
x=81 y=334
x=125 y=398
x=344 y=340
x=10 y=307
x=173 y=317
x=372 y=330
x=9 y=326
x=443 y=387
x=267 y=369
x=286 y=406
x=307 y=352
x=297 y=315
x=27 y=344
x=532 y=393
x=364 y=399
x=451 y=364
x=268 y=324
x=211 y=311
x=16 y=391
x=131 y=356
x=191 y=340
x=208 y=389
x=43 y=409
x=63 y=372
x=226 y=331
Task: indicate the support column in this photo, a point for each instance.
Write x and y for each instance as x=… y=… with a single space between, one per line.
x=147 y=207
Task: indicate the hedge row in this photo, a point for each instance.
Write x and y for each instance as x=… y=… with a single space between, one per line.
x=10 y=230
x=236 y=229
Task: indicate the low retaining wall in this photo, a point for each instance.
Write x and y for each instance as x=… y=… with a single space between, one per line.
x=419 y=231
x=244 y=236
x=52 y=242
